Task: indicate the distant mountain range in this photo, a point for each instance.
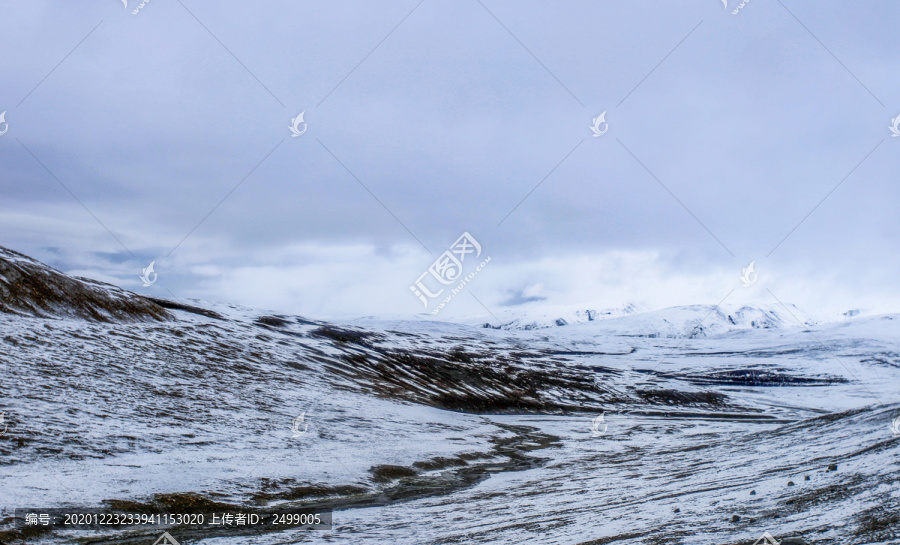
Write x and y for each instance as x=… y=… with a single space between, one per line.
x=690 y=320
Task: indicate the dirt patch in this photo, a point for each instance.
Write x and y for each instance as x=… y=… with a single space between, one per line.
x=344 y=336
x=173 y=305
x=676 y=397
x=289 y=489
x=388 y=473
x=273 y=321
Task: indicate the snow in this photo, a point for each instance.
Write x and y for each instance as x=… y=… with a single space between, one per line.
x=100 y=411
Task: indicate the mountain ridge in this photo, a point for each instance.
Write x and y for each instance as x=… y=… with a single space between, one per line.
x=31 y=288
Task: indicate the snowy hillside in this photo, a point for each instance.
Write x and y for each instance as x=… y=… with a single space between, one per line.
x=31 y=288
x=429 y=432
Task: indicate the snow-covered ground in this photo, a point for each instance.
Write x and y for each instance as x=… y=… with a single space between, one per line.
x=718 y=424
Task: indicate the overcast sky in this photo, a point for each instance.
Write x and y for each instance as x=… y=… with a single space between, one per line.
x=726 y=133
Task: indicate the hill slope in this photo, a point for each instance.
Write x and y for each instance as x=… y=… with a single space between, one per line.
x=396 y=423
x=31 y=288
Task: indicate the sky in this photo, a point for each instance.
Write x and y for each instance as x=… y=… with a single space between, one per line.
x=161 y=132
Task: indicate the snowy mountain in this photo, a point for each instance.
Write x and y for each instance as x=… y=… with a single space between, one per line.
x=547 y=317
x=694 y=320
x=612 y=430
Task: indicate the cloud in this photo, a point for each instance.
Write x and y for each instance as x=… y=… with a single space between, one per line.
x=451 y=125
